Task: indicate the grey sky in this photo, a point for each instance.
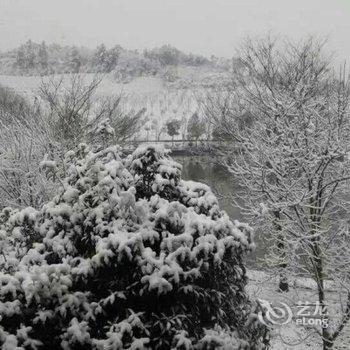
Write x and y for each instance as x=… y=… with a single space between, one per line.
x=201 y=26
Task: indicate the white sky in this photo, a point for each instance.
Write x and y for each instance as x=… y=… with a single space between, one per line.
x=201 y=26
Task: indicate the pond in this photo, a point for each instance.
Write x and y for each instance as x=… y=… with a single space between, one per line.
x=223 y=184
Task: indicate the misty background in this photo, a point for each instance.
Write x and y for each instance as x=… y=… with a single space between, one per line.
x=200 y=26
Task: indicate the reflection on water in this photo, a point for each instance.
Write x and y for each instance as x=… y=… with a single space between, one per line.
x=204 y=169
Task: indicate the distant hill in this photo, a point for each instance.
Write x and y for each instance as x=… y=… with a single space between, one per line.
x=166 y=61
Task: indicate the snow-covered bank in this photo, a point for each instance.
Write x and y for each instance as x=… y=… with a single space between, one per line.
x=292 y=336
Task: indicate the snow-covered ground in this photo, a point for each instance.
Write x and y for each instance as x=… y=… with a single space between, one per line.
x=28 y=85
x=292 y=336
x=162 y=102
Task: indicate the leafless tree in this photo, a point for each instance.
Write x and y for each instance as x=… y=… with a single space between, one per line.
x=69 y=101
x=293 y=161
x=67 y=113
x=23 y=144
x=13 y=106
x=76 y=110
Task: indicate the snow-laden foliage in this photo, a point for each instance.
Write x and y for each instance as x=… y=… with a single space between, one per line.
x=127 y=256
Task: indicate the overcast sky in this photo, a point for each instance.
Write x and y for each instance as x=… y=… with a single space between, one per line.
x=201 y=26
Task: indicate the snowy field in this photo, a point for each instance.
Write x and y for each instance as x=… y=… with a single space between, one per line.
x=27 y=85
x=161 y=101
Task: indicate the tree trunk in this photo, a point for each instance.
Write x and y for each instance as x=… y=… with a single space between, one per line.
x=283 y=285
x=327 y=342
x=326 y=336
x=317 y=259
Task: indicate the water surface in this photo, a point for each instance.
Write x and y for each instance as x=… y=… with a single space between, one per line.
x=204 y=169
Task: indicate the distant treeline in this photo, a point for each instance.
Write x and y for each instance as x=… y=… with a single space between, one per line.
x=41 y=59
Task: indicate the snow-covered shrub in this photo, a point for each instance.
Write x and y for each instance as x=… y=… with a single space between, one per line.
x=169 y=74
x=131 y=65
x=127 y=256
x=23 y=145
x=17 y=236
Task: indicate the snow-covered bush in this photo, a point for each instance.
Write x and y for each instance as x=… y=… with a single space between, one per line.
x=131 y=65
x=127 y=256
x=23 y=145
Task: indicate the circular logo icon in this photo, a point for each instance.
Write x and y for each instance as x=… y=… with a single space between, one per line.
x=274 y=315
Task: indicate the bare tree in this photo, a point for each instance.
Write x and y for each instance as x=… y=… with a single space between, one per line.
x=68 y=113
x=69 y=101
x=293 y=162
x=23 y=144
x=11 y=105
x=76 y=111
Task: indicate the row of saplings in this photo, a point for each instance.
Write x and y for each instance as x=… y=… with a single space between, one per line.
x=127 y=256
